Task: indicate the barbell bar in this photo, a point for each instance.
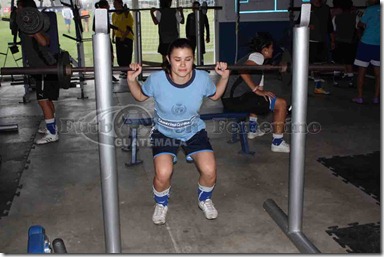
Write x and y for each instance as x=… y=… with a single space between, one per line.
x=68 y=69
x=200 y=8
x=64 y=72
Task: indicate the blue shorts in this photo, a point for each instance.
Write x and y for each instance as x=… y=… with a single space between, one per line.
x=162 y=144
x=249 y=102
x=367 y=54
x=67 y=21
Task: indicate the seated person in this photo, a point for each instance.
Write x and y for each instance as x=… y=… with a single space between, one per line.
x=245 y=93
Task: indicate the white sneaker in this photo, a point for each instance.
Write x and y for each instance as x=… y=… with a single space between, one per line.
x=283 y=147
x=48 y=138
x=159 y=214
x=209 y=209
x=42 y=130
x=258 y=133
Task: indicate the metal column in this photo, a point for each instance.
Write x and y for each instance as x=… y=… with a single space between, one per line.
x=138 y=43
x=198 y=37
x=292 y=224
x=107 y=155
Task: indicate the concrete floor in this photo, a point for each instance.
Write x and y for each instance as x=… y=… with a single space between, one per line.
x=61 y=187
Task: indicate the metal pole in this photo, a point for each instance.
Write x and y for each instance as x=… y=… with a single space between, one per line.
x=299 y=114
x=109 y=185
x=198 y=36
x=138 y=43
x=68 y=69
x=291 y=224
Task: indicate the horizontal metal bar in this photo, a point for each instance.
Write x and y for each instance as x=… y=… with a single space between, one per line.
x=157 y=8
x=9 y=127
x=69 y=69
x=299 y=239
x=298 y=8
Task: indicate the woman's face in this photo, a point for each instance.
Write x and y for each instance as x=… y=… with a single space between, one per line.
x=181 y=60
x=267 y=52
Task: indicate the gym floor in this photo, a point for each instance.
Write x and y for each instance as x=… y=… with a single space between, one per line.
x=58 y=185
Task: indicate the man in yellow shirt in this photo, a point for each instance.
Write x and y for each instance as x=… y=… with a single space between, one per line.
x=123 y=34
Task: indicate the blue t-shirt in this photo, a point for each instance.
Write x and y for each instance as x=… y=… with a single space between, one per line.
x=371 y=19
x=177 y=106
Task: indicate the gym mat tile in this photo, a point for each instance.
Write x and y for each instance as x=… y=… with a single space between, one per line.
x=362 y=171
x=14 y=153
x=356 y=238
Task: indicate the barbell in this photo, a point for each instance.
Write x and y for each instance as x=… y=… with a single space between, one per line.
x=64 y=69
x=31 y=21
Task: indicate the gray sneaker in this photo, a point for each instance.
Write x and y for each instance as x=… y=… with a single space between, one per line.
x=48 y=138
x=159 y=214
x=209 y=209
x=258 y=133
x=283 y=147
x=42 y=130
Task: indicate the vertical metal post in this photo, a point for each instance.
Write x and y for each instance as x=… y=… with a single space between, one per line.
x=291 y=224
x=198 y=37
x=108 y=170
x=381 y=70
x=138 y=42
x=299 y=115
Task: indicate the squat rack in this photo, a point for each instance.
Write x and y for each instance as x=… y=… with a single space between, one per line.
x=290 y=224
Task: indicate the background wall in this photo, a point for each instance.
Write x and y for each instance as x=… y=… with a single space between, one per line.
x=255 y=16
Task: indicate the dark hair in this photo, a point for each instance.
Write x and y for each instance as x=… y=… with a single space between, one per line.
x=27 y=3
x=196 y=3
x=178 y=43
x=165 y=3
x=260 y=41
x=102 y=4
x=345 y=4
x=337 y=3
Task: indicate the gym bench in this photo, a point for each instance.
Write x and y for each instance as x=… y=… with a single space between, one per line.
x=238 y=132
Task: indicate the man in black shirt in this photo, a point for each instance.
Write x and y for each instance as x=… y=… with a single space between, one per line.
x=190 y=29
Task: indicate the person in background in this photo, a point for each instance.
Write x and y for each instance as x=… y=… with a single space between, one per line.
x=245 y=93
x=105 y=5
x=321 y=32
x=344 y=25
x=85 y=12
x=37 y=54
x=178 y=92
x=167 y=19
x=190 y=29
x=68 y=16
x=368 y=50
x=122 y=35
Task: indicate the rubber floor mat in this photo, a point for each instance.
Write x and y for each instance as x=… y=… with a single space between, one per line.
x=14 y=151
x=362 y=171
x=356 y=238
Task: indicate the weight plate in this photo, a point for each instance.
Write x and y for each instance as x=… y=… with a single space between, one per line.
x=62 y=62
x=30 y=20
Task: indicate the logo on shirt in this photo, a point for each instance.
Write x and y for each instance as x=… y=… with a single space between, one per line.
x=179 y=109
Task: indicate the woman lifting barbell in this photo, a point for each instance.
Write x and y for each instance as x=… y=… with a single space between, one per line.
x=178 y=93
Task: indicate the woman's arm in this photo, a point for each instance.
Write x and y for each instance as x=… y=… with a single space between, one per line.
x=154 y=19
x=133 y=85
x=41 y=38
x=221 y=69
x=247 y=77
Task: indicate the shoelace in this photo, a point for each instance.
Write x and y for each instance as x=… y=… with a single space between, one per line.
x=159 y=210
x=208 y=204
